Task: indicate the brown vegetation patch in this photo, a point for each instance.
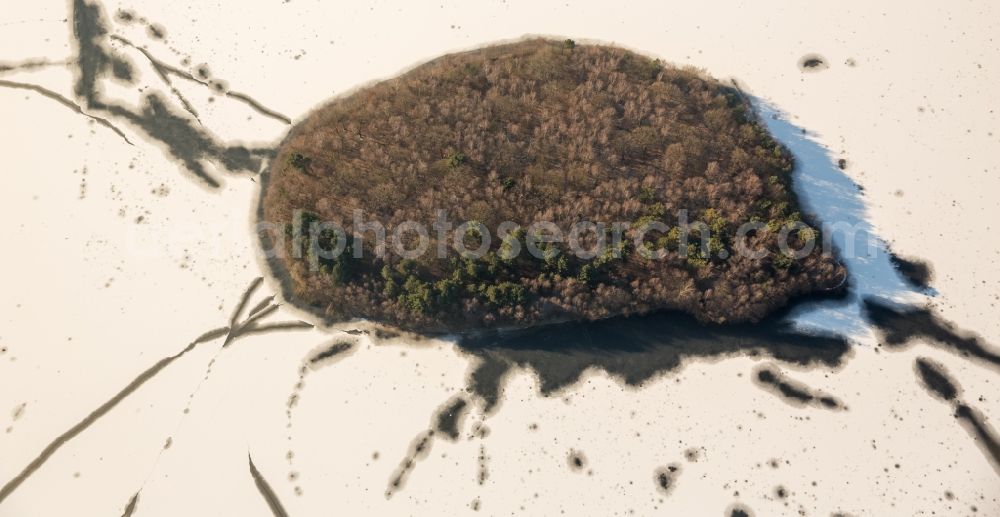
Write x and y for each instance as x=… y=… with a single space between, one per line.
x=533 y=131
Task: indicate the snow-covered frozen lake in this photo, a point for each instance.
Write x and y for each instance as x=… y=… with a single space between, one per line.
x=116 y=258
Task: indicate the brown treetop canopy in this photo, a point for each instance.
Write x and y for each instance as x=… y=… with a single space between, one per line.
x=533 y=131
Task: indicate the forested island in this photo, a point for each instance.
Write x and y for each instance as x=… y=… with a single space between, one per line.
x=540 y=130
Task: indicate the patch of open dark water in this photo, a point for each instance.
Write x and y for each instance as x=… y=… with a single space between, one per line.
x=738 y=510
x=183 y=139
x=635 y=349
x=936 y=379
x=773 y=380
x=942 y=385
x=813 y=63
x=917 y=272
x=900 y=325
x=666 y=478
x=449 y=418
